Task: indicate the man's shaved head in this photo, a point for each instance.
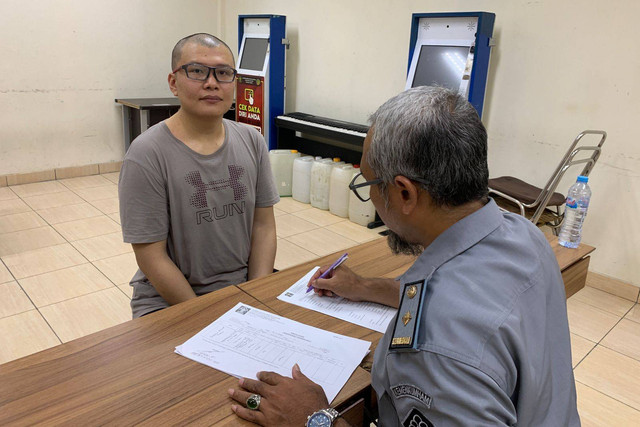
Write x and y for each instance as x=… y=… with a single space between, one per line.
x=202 y=39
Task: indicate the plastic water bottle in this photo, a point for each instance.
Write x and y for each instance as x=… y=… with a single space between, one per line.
x=574 y=213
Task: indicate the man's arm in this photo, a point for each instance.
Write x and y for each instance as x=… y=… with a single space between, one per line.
x=162 y=272
x=263 y=243
x=347 y=284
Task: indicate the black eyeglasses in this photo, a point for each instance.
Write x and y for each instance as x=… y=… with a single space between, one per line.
x=200 y=72
x=354 y=187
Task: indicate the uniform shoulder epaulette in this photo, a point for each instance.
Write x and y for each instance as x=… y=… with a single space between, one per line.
x=405 y=331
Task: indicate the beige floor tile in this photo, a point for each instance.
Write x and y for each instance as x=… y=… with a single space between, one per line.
x=611 y=373
x=288 y=205
x=27 y=240
x=289 y=254
x=7 y=194
x=115 y=217
x=113 y=177
x=24 y=334
x=69 y=213
x=60 y=285
x=288 y=225
x=580 y=347
x=588 y=321
x=88 y=227
x=107 y=206
x=13 y=300
x=106 y=246
x=38 y=188
x=624 y=338
x=43 y=260
x=613 y=286
x=87 y=314
x=634 y=314
x=321 y=241
x=20 y=221
x=278 y=212
x=46 y=201
x=597 y=409
x=318 y=217
x=85 y=182
x=119 y=269
x=13 y=206
x=356 y=232
x=603 y=300
x=127 y=290
x=98 y=193
x=5 y=276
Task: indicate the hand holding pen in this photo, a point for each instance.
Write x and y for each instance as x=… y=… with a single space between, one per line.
x=329 y=270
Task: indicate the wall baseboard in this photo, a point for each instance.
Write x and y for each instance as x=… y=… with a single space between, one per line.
x=60 y=173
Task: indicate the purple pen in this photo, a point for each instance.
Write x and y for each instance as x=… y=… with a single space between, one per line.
x=335 y=265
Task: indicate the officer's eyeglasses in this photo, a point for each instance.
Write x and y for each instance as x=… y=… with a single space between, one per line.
x=201 y=72
x=354 y=187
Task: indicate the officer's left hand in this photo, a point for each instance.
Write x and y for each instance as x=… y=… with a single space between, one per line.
x=284 y=401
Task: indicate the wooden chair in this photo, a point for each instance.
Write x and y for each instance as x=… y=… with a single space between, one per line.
x=543 y=206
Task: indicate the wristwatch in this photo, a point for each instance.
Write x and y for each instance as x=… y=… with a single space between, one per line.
x=322 y=418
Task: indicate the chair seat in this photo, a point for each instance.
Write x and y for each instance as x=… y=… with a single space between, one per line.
x=520 y=190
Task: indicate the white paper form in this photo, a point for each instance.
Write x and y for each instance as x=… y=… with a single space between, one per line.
x=246 y=340
x=368 y=314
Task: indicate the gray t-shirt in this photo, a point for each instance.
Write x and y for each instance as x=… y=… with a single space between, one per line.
x=202 y=204
x=492 y=343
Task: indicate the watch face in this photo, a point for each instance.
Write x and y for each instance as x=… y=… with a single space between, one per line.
x=319 y=420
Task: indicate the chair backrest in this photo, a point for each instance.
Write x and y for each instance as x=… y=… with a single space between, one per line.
x=567 y=162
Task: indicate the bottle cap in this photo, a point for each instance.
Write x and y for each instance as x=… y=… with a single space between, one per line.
x=583 y=178
x=294 y=151
x=336 y=159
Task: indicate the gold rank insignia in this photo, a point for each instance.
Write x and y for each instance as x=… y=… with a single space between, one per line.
x=406 y=317
x=407 y=321
x=412 y=291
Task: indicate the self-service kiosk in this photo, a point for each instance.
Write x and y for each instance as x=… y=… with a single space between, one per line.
x=451 y=50
x=260 y=84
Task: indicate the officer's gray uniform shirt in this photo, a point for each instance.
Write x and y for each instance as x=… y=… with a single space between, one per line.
x=492 y=346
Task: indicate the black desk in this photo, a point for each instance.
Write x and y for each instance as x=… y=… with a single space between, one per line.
x=138 y=114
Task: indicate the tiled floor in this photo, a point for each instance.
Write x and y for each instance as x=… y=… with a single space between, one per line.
x=65 y=272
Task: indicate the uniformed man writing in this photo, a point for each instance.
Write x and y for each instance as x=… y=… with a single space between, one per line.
x=481 y=336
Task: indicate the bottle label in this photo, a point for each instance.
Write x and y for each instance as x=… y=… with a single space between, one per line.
x=571 y=202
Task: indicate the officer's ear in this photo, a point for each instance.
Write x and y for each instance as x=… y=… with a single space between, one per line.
x=408 y=194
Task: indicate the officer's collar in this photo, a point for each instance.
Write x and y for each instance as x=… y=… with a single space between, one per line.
x=454 y=240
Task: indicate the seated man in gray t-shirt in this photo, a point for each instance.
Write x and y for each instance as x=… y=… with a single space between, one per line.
x=196 y=191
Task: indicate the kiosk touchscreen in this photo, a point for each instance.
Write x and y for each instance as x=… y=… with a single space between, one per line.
x=260 y=83
x=451 y=50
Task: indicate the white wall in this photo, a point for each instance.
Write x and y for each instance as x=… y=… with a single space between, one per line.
x=559 y=67
x=64 y=63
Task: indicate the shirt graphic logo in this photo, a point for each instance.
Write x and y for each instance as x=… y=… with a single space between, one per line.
x=199 y=197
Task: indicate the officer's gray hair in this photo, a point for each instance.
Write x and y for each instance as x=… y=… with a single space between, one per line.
x=435 y=135
x=202 y=39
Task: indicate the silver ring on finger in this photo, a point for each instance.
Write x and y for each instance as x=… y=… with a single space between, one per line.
x=253 y=402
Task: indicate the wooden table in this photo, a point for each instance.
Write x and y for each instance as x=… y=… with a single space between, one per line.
x=129 y=374
x=573 y=263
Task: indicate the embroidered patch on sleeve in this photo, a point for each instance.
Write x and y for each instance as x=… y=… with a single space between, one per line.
x=416 y=419
x=408 y=390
